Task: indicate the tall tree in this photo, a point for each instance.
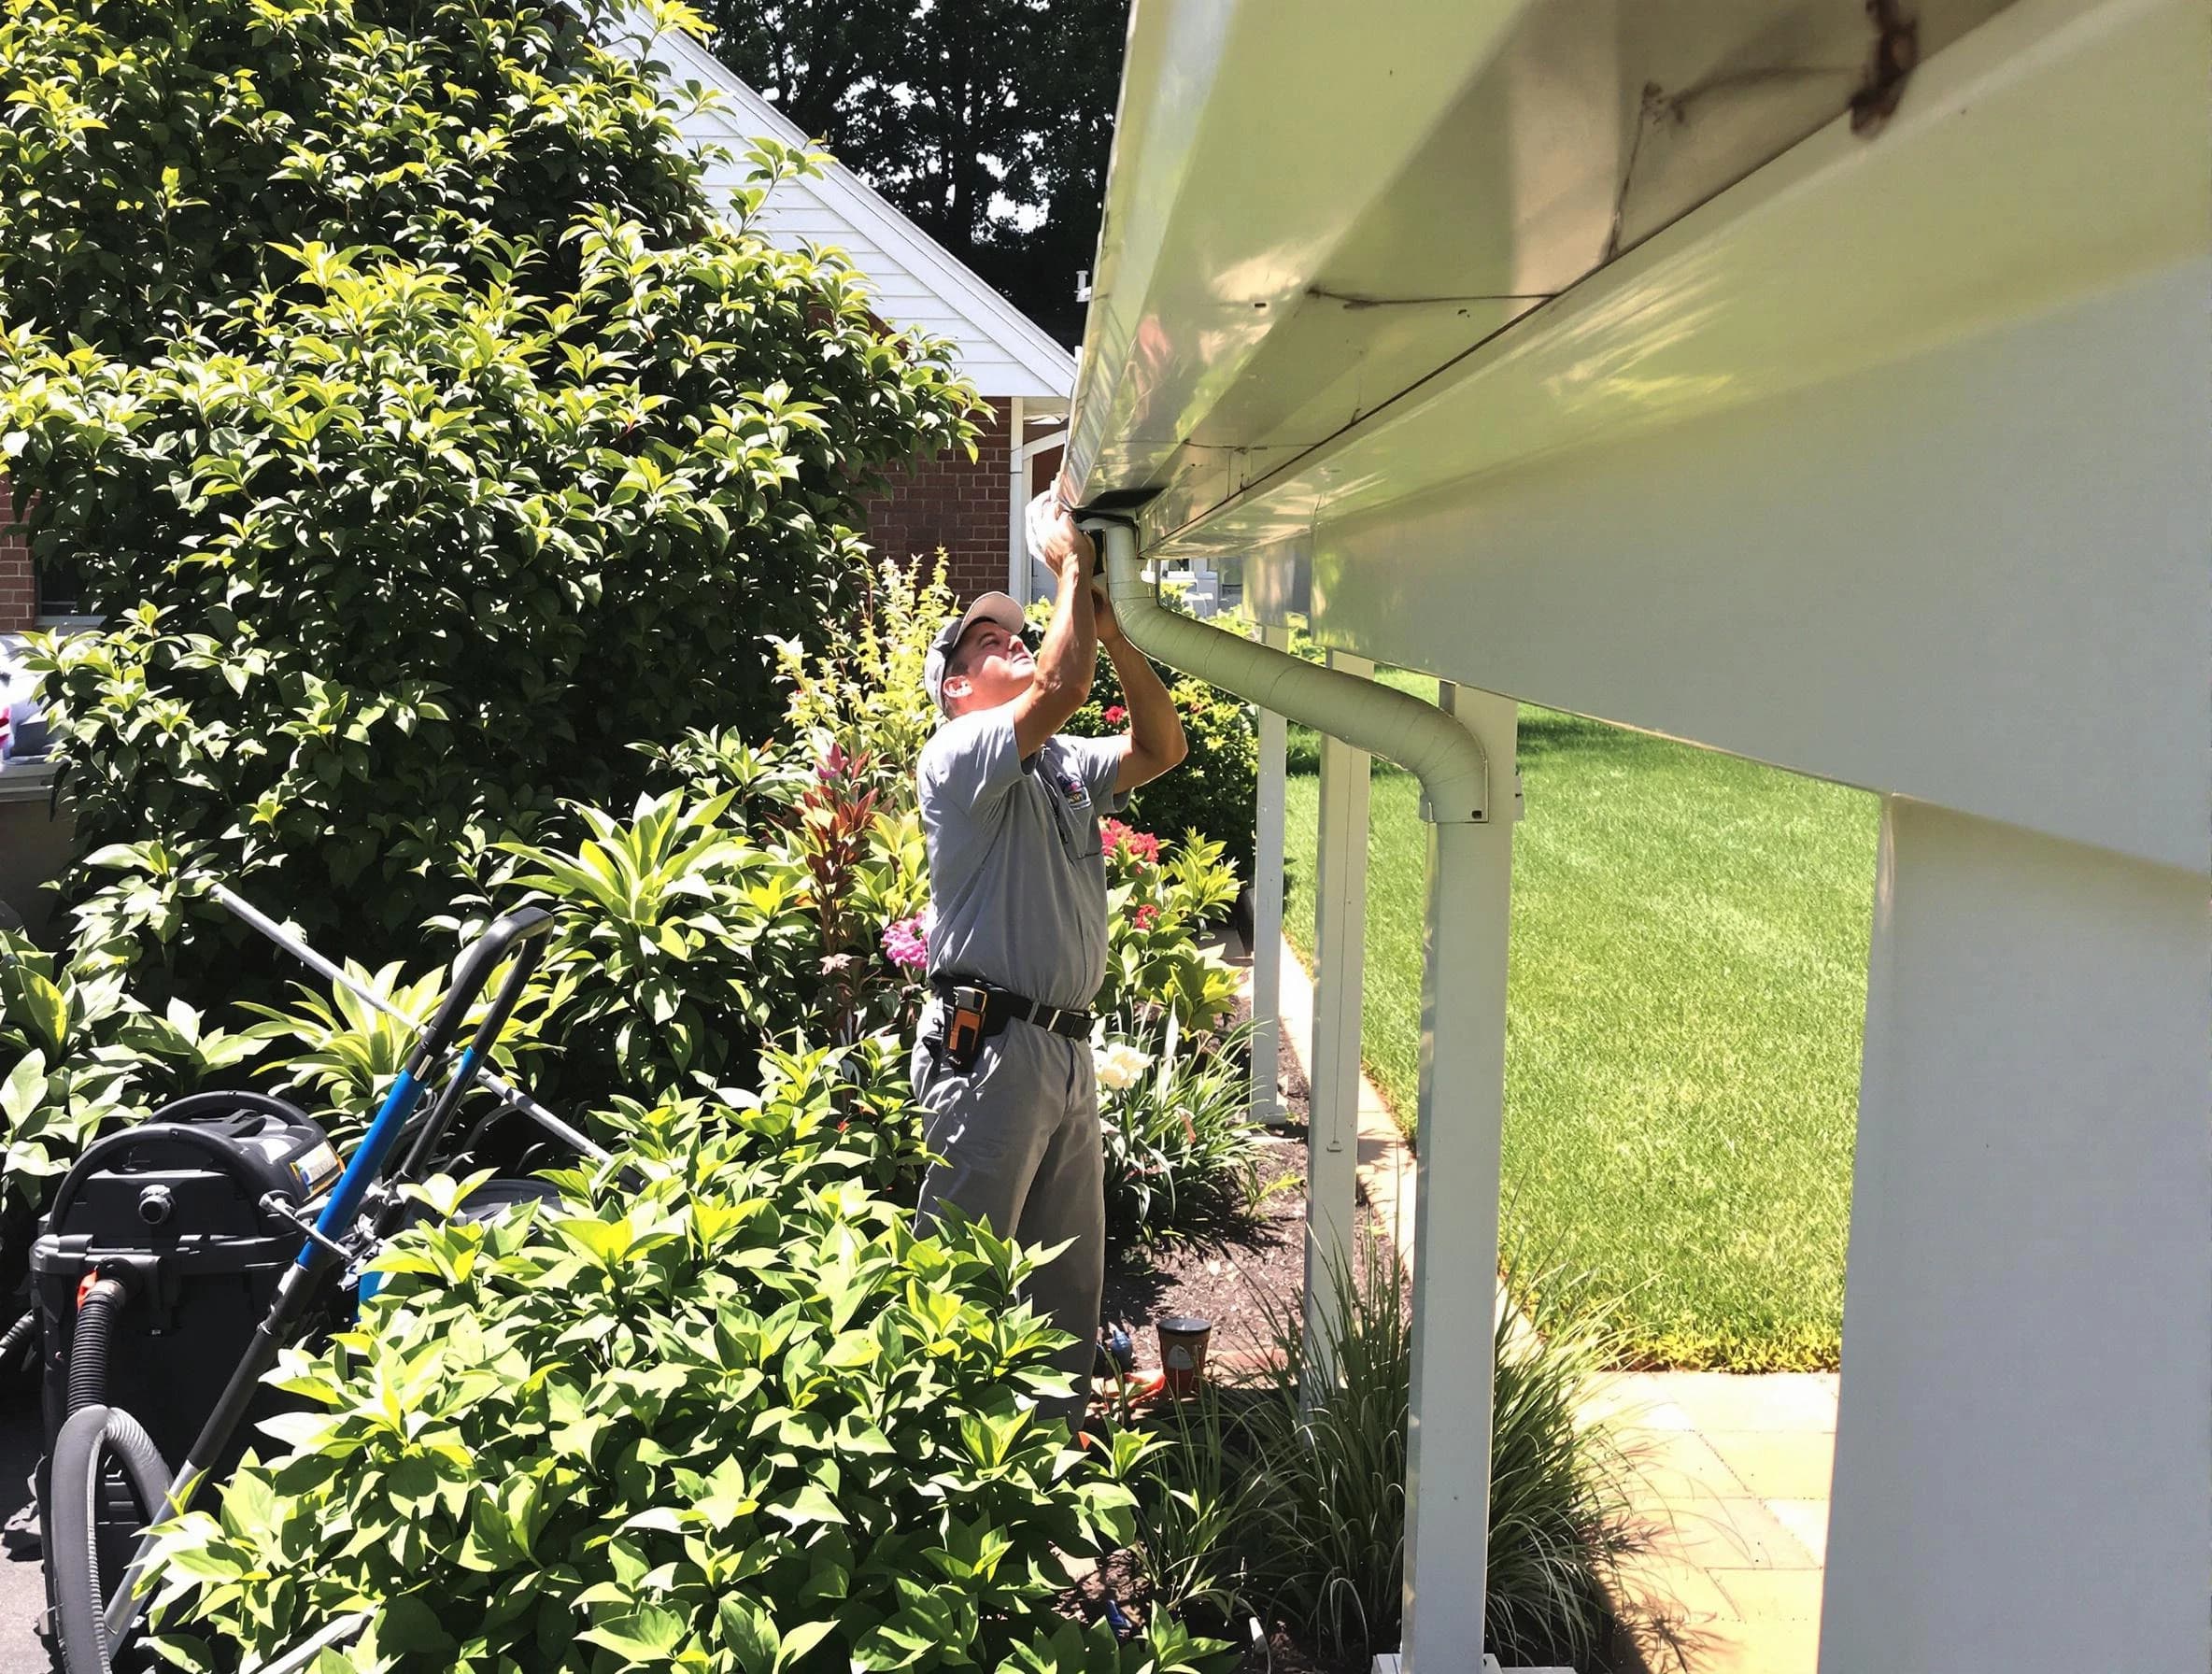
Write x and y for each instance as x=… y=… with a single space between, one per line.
x=987 y=121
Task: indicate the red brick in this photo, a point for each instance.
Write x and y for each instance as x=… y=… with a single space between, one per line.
x=19 y=594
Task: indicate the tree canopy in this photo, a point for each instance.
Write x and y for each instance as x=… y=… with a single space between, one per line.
x=426 y=441
x=988 y=122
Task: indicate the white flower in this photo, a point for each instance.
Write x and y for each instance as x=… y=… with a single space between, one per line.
x=1119 y=1065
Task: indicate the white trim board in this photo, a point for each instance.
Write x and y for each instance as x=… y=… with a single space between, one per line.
x=996 y=346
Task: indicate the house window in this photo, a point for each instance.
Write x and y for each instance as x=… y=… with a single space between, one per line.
x=60 y=590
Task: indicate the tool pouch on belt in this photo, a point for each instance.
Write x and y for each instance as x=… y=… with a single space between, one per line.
x=967 y=1024
x=974 y=1012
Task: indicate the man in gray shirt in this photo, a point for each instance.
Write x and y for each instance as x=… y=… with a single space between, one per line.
x=1017 y=940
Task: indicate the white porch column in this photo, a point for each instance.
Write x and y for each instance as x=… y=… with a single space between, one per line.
x=1017 y=499
x=1332 y=1066
x=1267 y=907
x=2022 y=1448
x=1456 y=1145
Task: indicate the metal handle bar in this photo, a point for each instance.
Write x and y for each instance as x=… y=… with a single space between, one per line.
x=501 y=1088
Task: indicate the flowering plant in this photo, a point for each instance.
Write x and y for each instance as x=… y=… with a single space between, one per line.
x=1119 y=1064
x=1115 y=714
x=906 y=942
x=1159 y=899
x=1181 y=1154
x=1129 y=847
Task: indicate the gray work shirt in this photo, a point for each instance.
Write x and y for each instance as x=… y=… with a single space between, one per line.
x=1017 y=879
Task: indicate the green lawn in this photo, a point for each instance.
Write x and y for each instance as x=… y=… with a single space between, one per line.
x=1682 y=1037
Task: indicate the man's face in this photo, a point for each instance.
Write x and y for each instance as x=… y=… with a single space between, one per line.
x=995 y=668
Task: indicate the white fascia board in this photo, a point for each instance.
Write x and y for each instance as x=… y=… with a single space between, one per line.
x=1886 y=465
x=1229 y=187
x=1044 y=368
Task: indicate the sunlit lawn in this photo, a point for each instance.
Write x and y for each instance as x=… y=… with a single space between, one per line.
x=1682 y=1048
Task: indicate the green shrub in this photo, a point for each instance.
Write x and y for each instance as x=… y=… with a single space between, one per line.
x=157 y=156
x=464 y=449
x=738 y=1419
x=1215 y=790
x=1158 y=897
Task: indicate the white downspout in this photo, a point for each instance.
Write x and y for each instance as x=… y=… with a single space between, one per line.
x=1017 y=497
x=1461 y=1072
x=1421 y=738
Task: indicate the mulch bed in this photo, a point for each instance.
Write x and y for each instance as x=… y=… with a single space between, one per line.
x=1246 y=1280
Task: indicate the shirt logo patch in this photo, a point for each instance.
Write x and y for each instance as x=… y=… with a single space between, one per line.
x=1077 y=796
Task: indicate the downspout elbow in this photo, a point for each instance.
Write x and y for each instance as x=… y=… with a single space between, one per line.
x=1422 y=739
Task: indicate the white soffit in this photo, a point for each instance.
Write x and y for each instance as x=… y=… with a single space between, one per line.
x=1314 y=205
x=913 y=280
x=1887 y=464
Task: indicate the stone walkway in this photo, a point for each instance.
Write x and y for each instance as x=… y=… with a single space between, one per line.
x=1732 y=1471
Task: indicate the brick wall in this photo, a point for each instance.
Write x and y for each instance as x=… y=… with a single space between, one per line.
x=954 y=502
x=19 y=592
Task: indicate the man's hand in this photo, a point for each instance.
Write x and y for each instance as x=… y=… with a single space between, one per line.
x=1110 y=634
x=1058 y=540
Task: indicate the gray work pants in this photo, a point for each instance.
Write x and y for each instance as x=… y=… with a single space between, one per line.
x=1017 y=1143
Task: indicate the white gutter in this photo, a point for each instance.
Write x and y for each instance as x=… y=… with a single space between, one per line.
x=1462 y=1081
x=1421 y=738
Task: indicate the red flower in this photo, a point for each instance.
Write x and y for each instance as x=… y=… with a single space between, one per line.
x=1115 y=714
x=1146 y=916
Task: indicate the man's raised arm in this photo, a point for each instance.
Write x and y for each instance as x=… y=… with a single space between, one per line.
x=1069 y=658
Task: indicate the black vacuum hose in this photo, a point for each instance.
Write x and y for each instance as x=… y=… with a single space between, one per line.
x=89 y=1439
x=88 y=1344
x=17 y=1334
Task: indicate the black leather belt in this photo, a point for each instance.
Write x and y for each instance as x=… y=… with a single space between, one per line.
x=1002 y=1006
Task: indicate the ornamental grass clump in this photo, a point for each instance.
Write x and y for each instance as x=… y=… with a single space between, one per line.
x=1290 y=1499
x=717 y=1409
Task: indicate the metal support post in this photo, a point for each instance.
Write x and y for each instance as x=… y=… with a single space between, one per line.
x=1456 y=1152
x=1266 y=908
x=1339 y=939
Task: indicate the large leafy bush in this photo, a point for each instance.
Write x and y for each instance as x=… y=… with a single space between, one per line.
x=739 y=1420
x=463 y=450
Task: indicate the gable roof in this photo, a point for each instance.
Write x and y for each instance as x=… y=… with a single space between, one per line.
x=912 y=278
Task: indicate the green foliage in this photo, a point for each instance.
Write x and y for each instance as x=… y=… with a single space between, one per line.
x=736 y=1419
x=1181 y=1155
x=1265 y=1500
x=860 y=690
x=1327 y=1544
x=463 y=450
x=676 y=938
x=1158 y=897
x=1197 y=1499
x=1215 y=791
x=156 y=155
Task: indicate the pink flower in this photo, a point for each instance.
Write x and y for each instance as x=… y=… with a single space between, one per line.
x=1115 y=714
x=1146 y=916
x=906 y=945
x=1143 y=846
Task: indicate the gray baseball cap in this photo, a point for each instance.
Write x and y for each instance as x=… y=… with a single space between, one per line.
x=993 y=607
